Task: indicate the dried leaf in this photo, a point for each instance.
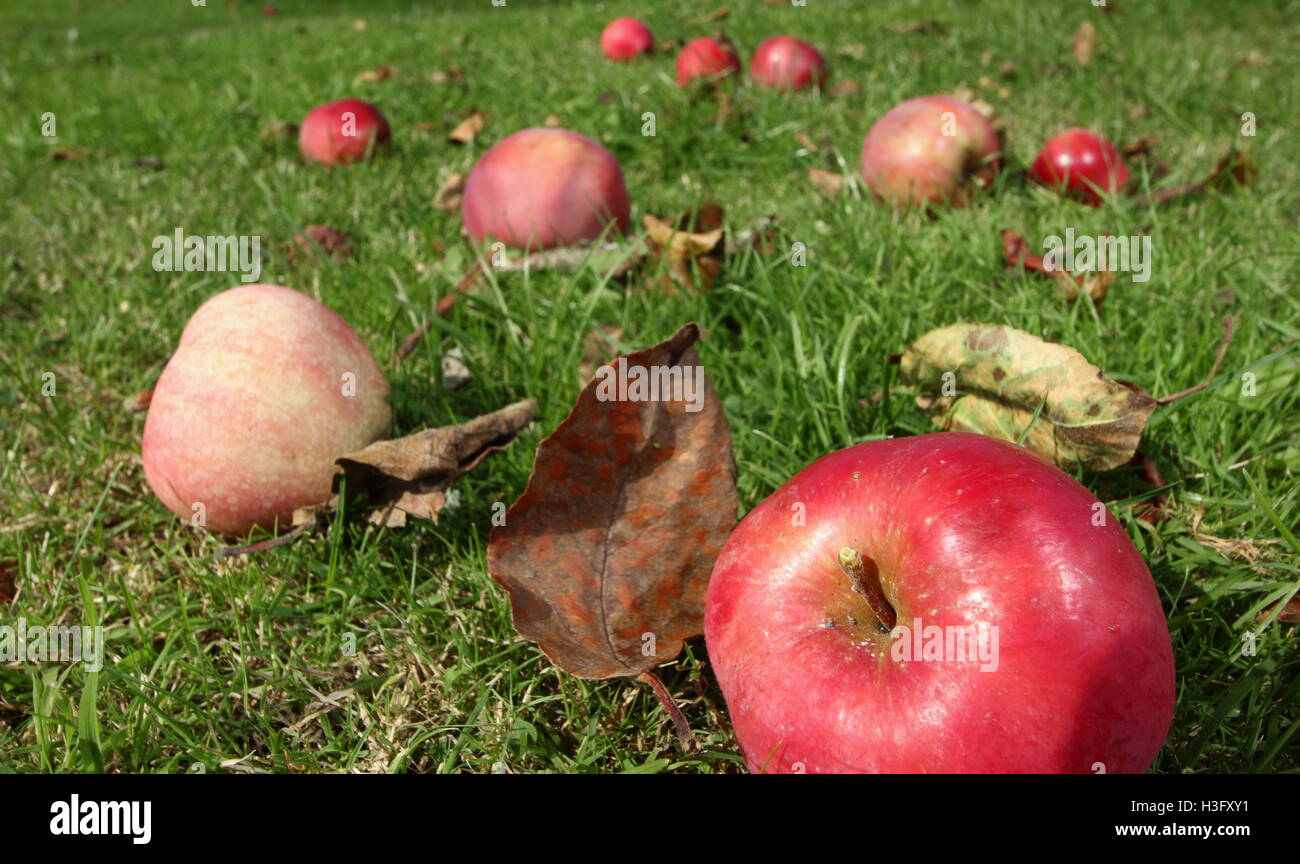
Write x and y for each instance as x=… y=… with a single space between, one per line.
x=379 y=73
x=552 y=122
x=278 y=130
x=1234 y=169
x=805 y=141
x=449 y=194
x=716 y=15
x=69 y=154
x=412 y=474
x=855 y=50
x=1083 y=42
x=1289 y=614
x=1140 y=147
x=829 y=183
x=606 y=555
x=843 y=88
x=138 y=402
x=694 y=257
x=319 y=238
x=1094 y=283
x=993 y=379
x=468 y=128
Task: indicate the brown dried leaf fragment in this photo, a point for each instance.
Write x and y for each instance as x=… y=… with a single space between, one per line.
x=1083 y=42
x=449 y=195
x=469 y=128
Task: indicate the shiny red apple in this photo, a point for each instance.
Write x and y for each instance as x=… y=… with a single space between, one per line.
x=348 y=130
x=989 y=616
x=1082 y=163
x=705 y=59
x=930 y=150
x=626 y=38
x=787 y=63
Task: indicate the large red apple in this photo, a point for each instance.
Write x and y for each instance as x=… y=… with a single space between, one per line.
x=930 y=150
x=952 y=530
x=348 y=130
x=1082 y=163
x=540 y=188
x=626 y=38
x=266 y=389
x=705 y=59
x=787 y=63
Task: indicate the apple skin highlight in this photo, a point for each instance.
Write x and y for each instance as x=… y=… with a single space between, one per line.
x=963 y=529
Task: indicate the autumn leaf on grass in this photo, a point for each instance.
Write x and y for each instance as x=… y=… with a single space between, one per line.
x=1234 y=169
x=1006 y=383
x=8 y=580
x=324 y=239
x=467 y=130
x=1083 y=42
x=1095 y=283
x=606 y=555
x=693 y=249
x=411 y=475
x=450 y=194
x=379 y=73
x=829 y=183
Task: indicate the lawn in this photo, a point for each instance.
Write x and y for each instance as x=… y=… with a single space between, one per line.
x=367 y=649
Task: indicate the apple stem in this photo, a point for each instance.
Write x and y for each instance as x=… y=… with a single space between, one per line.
x=868 y=585
x=684 y=734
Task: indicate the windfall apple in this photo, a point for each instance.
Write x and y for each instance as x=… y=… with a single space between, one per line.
x=705 y=59
x=541 y=188
x=940 y=603
x=337 y=133
x=1081 y=163
x=626 y=39
x=266 y=389
x=930 y=150
x=787 y=63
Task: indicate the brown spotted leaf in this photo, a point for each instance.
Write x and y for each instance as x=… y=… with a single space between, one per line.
x=606 y=555
x=994 y=379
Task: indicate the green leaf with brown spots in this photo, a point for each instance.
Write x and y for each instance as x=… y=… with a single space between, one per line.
x=1006 y=383
x=607 y=553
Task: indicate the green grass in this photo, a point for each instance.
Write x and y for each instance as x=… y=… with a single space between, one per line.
x=245 y=663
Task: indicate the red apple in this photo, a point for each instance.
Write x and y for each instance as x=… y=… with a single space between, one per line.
x=266 y=388
x=336 y=133
x=930 y=150
x=705 y=59
x=787 y=63
x=540 y=188
x=1082 y=163
x=626 y=38
x=952 y=530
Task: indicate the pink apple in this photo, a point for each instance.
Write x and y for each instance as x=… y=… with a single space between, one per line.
x=540 y=188
x=705 y=59
x=348 y=130
x=1065 y=662
x=1082 y=163
x=266 y=388
x=626 y=38
x=930 y=150
x=787 y=63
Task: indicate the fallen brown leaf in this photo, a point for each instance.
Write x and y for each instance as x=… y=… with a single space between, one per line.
x=843 y=88
x=829 y=183
x=137 y=402
x=319 y=238
x=379 y=73
x=448 y=196
x=410 y=476
x=278 y=130
x=607 y=553
x=468 y=128
x=694 y=256
x=8 y=581
x=1083 y=42
x=69 y=154
x=1094 y=283
x=924 y=26
x=716 y=15
x=1234 y=169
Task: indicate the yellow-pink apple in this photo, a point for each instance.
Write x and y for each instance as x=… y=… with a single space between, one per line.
x=266 y=388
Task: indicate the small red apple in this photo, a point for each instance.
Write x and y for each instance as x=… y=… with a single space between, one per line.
x=1082 y=163
x=626 y=38
x=930 y=150
x=705 y=59
x=348 y=130
x=990 y=616
x=540 y=188
x=787 y=63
